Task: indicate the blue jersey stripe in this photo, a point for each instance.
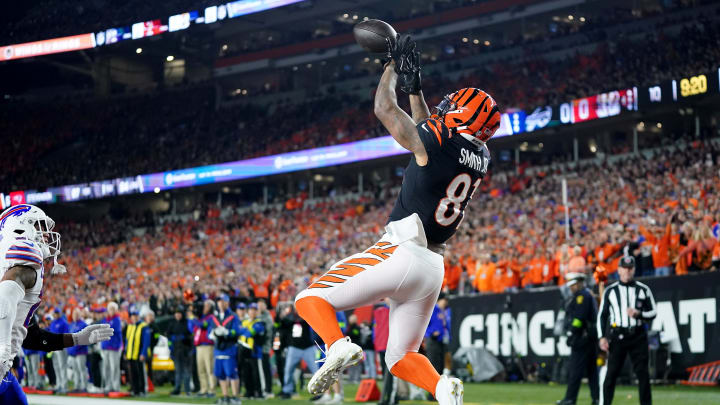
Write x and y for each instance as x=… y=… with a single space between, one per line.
x=23 y=257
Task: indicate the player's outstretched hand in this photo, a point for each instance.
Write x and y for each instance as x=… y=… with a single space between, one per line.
x=400 y=51
x=409 y=79
x=93 y=334
x=6 y=360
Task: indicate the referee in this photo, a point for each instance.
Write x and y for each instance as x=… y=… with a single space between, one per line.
x=625 y=308
x=580 y=316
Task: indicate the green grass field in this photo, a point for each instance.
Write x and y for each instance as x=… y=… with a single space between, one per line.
x=509 y=394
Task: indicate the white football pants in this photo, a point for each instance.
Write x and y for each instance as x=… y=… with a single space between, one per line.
x=399 y=267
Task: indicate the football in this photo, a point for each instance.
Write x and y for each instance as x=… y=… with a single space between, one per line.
x=371 y=35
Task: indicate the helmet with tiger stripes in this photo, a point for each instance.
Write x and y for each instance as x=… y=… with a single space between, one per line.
x=470 y=112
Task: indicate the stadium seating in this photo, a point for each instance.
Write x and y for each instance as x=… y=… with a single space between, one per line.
x=183 y=128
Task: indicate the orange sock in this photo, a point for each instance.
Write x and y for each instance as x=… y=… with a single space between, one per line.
x=416 y=368
x=321 y=317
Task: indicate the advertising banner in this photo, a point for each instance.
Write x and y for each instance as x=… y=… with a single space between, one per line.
x=523 y=322
x=56 y=45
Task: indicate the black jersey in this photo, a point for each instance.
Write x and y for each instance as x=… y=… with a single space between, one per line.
x=439 y=191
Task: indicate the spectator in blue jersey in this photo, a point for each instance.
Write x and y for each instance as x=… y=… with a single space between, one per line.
x=59 y=325
x=77 y=355
x=252 y=337
x=224 y=330
x=437 y=334
x=110 y=351
x=178 y=333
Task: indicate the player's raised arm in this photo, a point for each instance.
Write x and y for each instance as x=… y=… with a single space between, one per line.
x=396 y=121
x=411 y=83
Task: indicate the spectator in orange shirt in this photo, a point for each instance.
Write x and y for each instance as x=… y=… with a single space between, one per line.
x=485 y=274
x=261 y=290
x=577 y=263
x=452 y=275
x=509 y=280
x=534 y=275
x=549 y=268
x=701 y=247
x=497 y=283
x=660 y=248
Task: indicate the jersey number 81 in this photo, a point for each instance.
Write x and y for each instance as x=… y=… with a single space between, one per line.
x=457 y=194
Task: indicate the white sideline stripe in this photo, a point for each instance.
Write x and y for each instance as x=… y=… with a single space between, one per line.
x=63 y=400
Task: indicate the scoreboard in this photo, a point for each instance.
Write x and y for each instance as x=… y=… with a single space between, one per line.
x=680 y=89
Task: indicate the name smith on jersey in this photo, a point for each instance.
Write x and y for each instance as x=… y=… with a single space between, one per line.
x=473 y=161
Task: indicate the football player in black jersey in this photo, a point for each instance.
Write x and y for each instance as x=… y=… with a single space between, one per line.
x=449 y=159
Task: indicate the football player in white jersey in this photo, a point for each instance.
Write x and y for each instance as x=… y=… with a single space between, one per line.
x=26 y=241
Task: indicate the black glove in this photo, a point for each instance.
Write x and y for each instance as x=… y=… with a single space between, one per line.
x=400 y=51
x=410 y=81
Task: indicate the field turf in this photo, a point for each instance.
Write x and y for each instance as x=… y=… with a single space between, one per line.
x=493 y=394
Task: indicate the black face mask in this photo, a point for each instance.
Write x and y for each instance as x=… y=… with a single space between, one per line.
x=445 y=105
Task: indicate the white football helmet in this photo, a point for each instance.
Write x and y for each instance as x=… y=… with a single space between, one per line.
x=31 y=222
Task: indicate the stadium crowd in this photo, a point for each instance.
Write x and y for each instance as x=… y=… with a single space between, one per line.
x=658 y=207
x=127 y=136
x=222 y=279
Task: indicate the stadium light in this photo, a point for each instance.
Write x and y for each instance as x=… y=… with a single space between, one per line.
x=170 y=58
x=138 y=51
x=593 y=148
x=355 y=17
x=365 y=18
x=346 y=15
x=476 y=41
x=582 y=19
x=464 y=39
x=224 y=47
x=157 y=190
x=487 y=43
x=570 y=17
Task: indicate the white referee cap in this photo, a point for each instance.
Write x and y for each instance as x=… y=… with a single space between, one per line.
x=573 y=278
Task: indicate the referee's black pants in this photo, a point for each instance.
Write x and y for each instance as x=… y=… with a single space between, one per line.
x=583 y=361
x=637 y=347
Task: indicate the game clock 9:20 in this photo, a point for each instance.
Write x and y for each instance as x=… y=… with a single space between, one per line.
x=693 y=86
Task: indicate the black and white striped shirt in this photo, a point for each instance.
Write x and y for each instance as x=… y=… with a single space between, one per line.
x=617 y=298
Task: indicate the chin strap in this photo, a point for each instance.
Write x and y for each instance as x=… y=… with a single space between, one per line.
x=472 y=139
